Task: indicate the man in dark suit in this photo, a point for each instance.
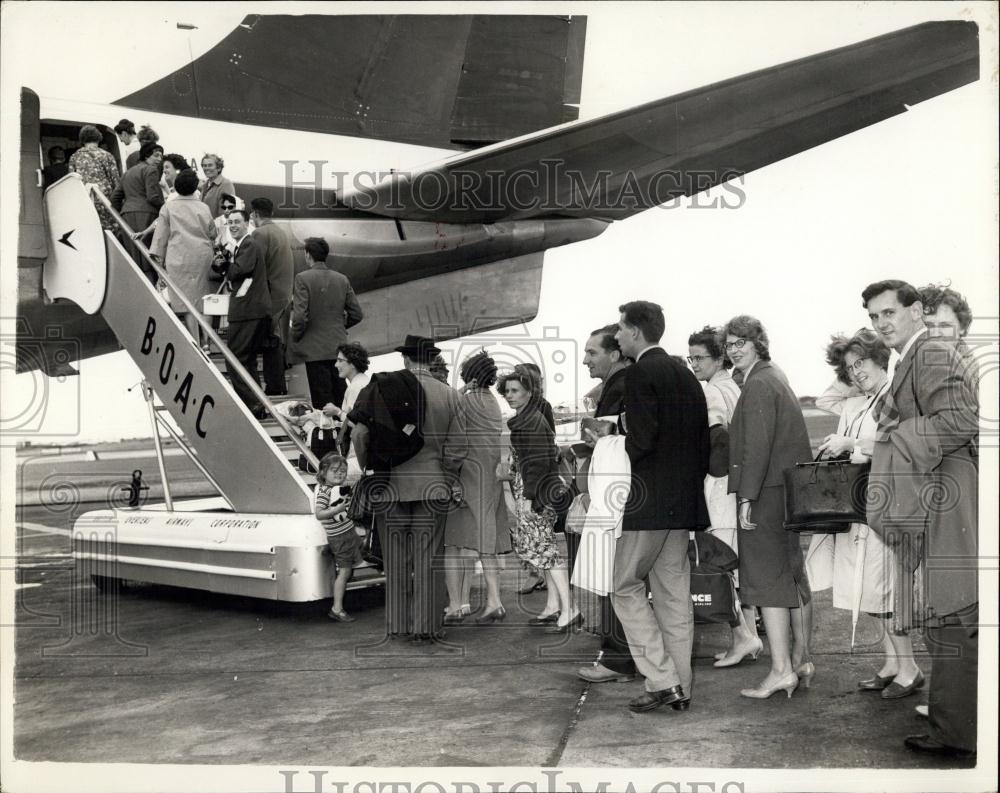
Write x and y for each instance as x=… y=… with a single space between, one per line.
x=927 y=443
x=273 y=243
x=249 y=305
x=324 y=306
x=666 y=423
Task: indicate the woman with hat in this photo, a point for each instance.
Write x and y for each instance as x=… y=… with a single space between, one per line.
x=138 y=197
x=478 y=526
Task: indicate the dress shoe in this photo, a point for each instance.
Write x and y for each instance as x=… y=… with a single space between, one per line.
x=752 y=648
x=895 y=691
x=927 y=745
x=787 y=684
x=601 y=674
x=876 y=683
x=806 y=672
x=497 y=615
x=650 y=700
x=553 y=617
x=531 y=586
x=571 y=626
x=454 y=617
x=339 y=616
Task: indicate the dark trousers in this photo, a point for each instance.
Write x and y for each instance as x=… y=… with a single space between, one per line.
x=412 y=537
x=572 y=549
x=246 y=339
x=616 y=655
x=325 y=385
x=953 y=643
x=274 y=354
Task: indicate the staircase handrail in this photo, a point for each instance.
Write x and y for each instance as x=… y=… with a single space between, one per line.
x=232 y=362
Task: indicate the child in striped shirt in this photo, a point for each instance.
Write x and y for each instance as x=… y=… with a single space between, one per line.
x=331 y=501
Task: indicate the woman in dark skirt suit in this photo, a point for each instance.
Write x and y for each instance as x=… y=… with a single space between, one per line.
x=768 y=435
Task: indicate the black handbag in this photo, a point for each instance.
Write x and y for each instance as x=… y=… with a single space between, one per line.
x=826 y=496
x=321 y=442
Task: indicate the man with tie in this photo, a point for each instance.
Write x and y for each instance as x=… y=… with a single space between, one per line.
x=666 y=424
x=249 y=305
x=925 y=466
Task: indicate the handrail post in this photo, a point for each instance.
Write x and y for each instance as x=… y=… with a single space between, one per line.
x=232 y=362
x=147 y=392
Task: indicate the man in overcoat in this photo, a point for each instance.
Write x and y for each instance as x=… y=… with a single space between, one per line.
x=324 y=306
x=419 y=490
x=923 y=499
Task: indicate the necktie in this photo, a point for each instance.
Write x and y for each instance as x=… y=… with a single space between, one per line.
x=886 y=414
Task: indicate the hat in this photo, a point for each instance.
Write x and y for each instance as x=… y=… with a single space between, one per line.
x=418 y=348
x=147 y=149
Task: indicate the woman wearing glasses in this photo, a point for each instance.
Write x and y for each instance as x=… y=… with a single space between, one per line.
x=711 y=366
x=832 y=558
x=768 y=435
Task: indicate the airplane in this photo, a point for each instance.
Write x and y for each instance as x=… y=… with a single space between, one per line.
x=444 y=248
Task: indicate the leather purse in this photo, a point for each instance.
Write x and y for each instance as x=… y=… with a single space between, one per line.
x=826 y=496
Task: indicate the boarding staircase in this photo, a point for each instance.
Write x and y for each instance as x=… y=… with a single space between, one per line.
x=250 y=462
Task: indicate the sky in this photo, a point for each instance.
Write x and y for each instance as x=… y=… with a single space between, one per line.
x=913 y=197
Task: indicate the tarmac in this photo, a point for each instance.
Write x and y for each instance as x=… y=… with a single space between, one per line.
x=161 y=675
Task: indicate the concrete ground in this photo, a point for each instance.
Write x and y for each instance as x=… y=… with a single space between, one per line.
x=161 y=675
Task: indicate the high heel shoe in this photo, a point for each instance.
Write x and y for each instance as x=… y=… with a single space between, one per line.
x=897 y=691
x=753 y=649
x=806 y=673
x=787 y=684
x=553 y=617
x=493 y=616
x=573 y=625
x=458 y=616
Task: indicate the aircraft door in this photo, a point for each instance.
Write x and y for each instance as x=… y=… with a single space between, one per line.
x=31 y=247
x=77 y=266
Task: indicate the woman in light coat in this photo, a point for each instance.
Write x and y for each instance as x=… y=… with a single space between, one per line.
x=832 y=559
x=182 y=242
x=478 y=527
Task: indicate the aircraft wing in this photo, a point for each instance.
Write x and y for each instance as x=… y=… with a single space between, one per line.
x=620 y=164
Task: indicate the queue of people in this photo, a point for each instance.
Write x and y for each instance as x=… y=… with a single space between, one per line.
x=455 y=501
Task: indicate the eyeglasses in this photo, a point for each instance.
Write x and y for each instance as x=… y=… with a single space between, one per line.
x=735 y=345
x=856 y=366
x=227 y=208
x=698 y=358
